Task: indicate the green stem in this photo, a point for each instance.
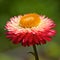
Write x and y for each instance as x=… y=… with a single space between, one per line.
x=35 y=53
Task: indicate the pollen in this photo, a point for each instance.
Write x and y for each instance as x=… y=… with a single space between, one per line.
x=30 y=20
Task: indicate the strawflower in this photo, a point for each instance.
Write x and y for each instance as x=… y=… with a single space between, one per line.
x=30 y=29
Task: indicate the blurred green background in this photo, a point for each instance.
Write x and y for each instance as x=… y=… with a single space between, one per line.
x=50 y=8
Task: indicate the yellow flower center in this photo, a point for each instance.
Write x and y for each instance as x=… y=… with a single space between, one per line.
x=30 y=20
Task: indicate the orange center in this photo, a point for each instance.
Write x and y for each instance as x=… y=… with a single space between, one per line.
x=30 y=20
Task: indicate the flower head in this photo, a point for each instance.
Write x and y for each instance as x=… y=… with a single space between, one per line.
x=30 y=29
